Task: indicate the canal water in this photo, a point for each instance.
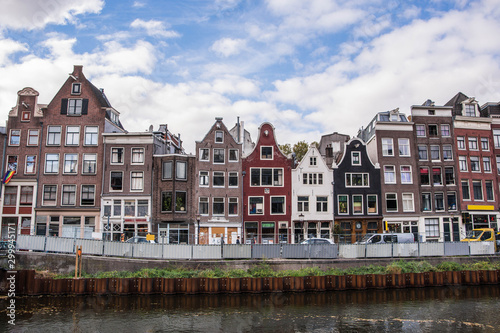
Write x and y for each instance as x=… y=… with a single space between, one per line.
x=443 y=309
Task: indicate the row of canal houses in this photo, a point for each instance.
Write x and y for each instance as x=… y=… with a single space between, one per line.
x=76 y=172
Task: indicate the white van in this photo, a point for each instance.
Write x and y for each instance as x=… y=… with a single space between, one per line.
x=387 y=238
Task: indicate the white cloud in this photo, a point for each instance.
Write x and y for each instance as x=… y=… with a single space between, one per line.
x=154 y=28
x=9 y=47
x=227 y=46
x=36 y=14
x=138 y=4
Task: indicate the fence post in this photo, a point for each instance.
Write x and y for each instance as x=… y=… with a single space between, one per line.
x=366 y=249
x=45 y=244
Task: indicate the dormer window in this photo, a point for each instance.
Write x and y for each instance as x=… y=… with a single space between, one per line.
x=219 y=136
x=470 y=110
x=76 y=89
x=394 y=117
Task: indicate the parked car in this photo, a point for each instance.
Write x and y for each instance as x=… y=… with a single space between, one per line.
x=387 y=238
x=318 y=241
x=482 y=235
x=139 y=239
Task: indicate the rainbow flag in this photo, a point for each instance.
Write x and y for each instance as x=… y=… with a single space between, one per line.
x=8 y=176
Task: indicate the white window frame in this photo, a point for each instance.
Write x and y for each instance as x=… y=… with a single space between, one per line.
x=85 y=160
x=137 y=152
x=223 y=155
x=202 y=150
x=218 y=175
x=52 y=203
x=404 y=142
x=111 y=160
x=72 y=135
x=236 y=154
x=267 y=158
x=271 y=204
x=408 y=202
x=362 y=208
x=63 y=192
x=56 y=161
x=75 y=107
x=17 y=135
x=31 y=136
x=81 y=194
x=396 y=199
x=358 y=158
x=256 y=208
x=55 y=135
x=338 y=204
x=387 y=147
x=409 y=172
x=205 y=177
x=386 y=172
x=73 y=161
x=133 y=181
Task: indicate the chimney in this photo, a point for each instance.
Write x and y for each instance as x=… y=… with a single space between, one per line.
x=238 y=129
x=77 y=70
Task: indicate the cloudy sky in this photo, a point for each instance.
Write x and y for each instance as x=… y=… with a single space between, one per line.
x=309 y=67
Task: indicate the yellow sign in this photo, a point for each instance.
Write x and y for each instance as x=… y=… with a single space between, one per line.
x=480 y=207
x=150 y=237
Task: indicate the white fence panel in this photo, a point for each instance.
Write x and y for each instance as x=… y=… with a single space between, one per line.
x=479 y=248
x=174 y=251
x=207 y=252
x=456 y=249
x=27 y=242
x=351 y=251
x=378 y=250
x=118 y=249
x=405 y=250
x=147 y=250
x=237 y=251
x=59 y=244
x=431 y=249
x=90 y=246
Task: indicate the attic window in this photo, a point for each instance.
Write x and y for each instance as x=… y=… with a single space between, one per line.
x=470 y=110
x=432 y=112
x=76 y=89
x=25 y=116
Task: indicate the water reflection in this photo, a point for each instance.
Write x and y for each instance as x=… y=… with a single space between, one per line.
x=448 y=309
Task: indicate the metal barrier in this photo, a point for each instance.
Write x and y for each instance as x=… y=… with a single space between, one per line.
x=147 y=250
x=59 y=244
x=351 y=251
x=405 y=249
x=295 y=251
x=323 y=251
x=378 y=250
x=481 y=248
x=237 y=251
x=431 y=249
x=456 y=249
x=267 y=251
x=89 y=246
x=207 y=251
x=177 y=251
x=35 y=243
x=118 y=249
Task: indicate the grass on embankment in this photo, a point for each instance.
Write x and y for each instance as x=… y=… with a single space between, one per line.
x=264 y=270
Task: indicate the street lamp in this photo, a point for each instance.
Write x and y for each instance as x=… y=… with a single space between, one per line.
x=198 y=218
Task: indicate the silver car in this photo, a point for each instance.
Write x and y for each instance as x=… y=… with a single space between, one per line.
x=318 y=241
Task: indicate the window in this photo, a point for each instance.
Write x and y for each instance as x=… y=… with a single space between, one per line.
x=406 y=177
x=391 y=202
x=70 y=163
x=72 y=135
x=255 y=205
x=218 y=206
x=255 y=177
x=436 y=176
x=15 y=137
x=166 y=201
x=233 y=179
x=449 y=176
x=136 y=181
x=372 y=204
x=462 y=163
x=180 y=170
x=180 y=201
x=233 y=206
x=485 y=144
x=88 y=195
x=452 y=200
x=218 y=179
x=68 y=195
x=12 y=163
x=204 y=178
x=343 y=206
x=266 y=177
x=74 y=107
x=89 y=164
x=357 y=180
x=439 y=201
x=470 y=110
x=408 y=205
x=233 y=155
x=76 y=88
x=432 y=227
x=116 y=180
x=117 y=207
x=137 y=155
x=266 y=153
x=433 y=130
x=486 y=164
x=91 y=135
x=420 y=129
x=278 y=177
x=489 y=190
x=32 y=137
x=357 y=204
x=498 y=164
x=25 y=116
x=355 y=158
x=322 y=204
x=51 y=163
x=10 y=196
x=218 y=155
x=219 y=136
x=312 y=178
x=389 y=174
x=447 y=153
x=477 y=189
x=422 y=153
x=445 y=130
x=435 y=153
x=426 y=202
x=312 y=161
x=474 y=164
x=404 y=147
x=460 y=142
x=277 y=205
x=117 y=155
x=465 y=190
x=203 y=206
x=496 y=138
x=302 y=204
x=30 y=164
x=142 y=207
x=473 y=143
x=424 y=176
x=26 y=197
x=49 y=195
x=129 y=208
x=387 y=147
x=53 y=135
x=167 y=170
x=204 y=154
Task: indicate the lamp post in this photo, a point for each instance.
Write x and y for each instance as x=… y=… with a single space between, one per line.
x=198 y=218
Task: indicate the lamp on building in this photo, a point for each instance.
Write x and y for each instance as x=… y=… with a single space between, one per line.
x=198 y=218
x=301 y=217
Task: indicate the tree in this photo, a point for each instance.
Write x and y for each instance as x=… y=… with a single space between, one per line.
x=300 y=149
x=286 y=149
